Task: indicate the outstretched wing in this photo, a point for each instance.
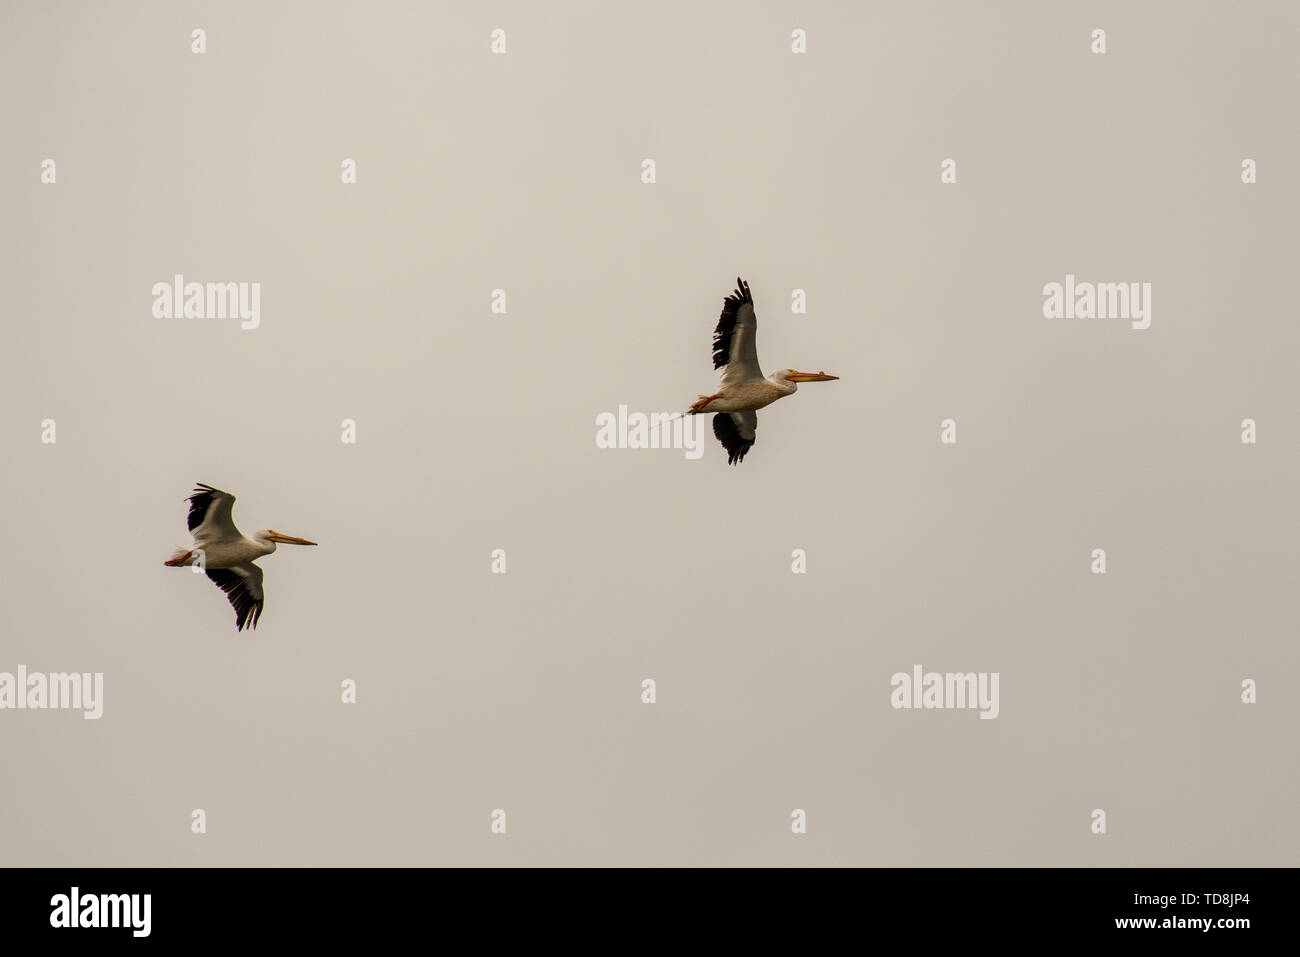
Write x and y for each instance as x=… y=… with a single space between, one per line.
x=210 y=519
x=243 y=587
x=735 y=430
x=733 y=339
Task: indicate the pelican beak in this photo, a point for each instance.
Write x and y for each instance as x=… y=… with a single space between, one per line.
x=288 y=539
x=811 y=377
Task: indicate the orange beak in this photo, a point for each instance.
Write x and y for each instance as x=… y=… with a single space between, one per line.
x=811 y=377
x=288 y=539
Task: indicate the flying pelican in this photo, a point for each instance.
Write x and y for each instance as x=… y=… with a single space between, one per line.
x=744 y=389
x=226 y=555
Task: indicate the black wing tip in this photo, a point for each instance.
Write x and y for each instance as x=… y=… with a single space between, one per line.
x=727 y=323
x=199 y=500
x=724 y=429
x=248 y=617
x=247 y=610
x=738 y=295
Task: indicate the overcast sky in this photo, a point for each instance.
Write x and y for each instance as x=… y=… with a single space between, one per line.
x=476 y=431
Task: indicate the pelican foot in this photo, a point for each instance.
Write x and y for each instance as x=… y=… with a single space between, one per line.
x=703 y=401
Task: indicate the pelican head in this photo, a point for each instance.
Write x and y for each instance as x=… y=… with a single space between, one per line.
x=271 y=535
x=786 y=380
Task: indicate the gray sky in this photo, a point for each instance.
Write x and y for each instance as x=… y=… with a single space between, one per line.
x=476 y=432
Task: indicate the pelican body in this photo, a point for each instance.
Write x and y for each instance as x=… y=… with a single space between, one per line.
x=226 y=555
x=743 y=389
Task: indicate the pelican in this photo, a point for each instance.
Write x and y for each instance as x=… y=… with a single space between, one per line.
x=226 y=554
x=743 y=389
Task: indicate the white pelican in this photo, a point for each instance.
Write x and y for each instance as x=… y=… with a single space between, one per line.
x=226 y=555
x=744 y=389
